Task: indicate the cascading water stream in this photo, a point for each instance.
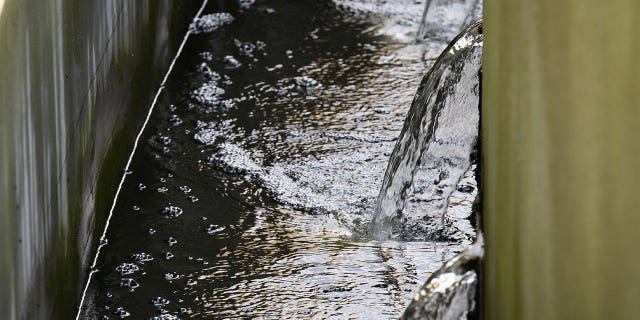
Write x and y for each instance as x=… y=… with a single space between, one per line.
x=259 y=170
x=443 y=19
x=439 y=134
x=452 y=292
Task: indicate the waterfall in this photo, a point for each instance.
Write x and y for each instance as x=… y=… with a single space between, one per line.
x=450 y=293
x=444 y=19
x=439 y=133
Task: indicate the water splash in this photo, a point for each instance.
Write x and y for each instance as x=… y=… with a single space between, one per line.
x=450 y=293
x=210 y=22
x=444 y=19
x=439 y=134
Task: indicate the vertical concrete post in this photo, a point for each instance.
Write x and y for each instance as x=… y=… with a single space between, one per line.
x=561 y=150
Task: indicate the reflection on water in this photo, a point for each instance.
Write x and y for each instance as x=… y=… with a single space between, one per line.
x=255 y=187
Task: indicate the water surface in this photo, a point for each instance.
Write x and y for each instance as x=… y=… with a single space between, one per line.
x=257 y=179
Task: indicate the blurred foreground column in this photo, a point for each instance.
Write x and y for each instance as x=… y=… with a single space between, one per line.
x=561 y=149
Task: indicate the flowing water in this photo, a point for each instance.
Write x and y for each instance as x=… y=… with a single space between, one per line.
x=437 y=141
x=435 y=147
x=452 y=292
x=444 y=19
x=252 y=191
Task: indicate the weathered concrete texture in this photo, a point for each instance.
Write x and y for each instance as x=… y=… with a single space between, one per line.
x=560 y=124
x=76 y=79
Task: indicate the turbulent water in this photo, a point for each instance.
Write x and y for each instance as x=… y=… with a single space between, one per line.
x=252 y=193
x=451 y=292
x=437 y=141
x=435 y=148
x=444 y=19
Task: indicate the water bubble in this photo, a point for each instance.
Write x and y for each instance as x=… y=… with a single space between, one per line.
x=208 y=56
x=226 y=80
x=184 y=189
x=141 y=257
x=306 y=83
x=121 y=312
x=172 y=211
x=247 y=48
x=165 y=150
x=175 y=119
x=163 y=179
x=230 y=62
x=109 y=295
x=210 y=22
x=207 y=136
x=135 y=208
x=168 y=255
x=192 y=198
x=214 y=228
x=206 y=71
x=160 y=302
x=289 y=54
x=246 y=4
x=127 y=171
x=171 y=276
x=163 y=189
x=173 y=108
x=208 y=94
x=152 y=231
x=171 y=241
x=127 y=268
x=141 y=186
x=130 y=283
x=191 y=282
x=164 y=140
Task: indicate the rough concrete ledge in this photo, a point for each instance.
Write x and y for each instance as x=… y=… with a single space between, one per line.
x=76 y=78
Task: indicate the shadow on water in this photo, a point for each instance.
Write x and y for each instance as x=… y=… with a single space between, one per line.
x=254 y=186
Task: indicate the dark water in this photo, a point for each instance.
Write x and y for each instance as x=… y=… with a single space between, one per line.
x=253 y=189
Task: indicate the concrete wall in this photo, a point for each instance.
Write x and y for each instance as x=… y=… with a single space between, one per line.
x=561 y=151
x=76 y=79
